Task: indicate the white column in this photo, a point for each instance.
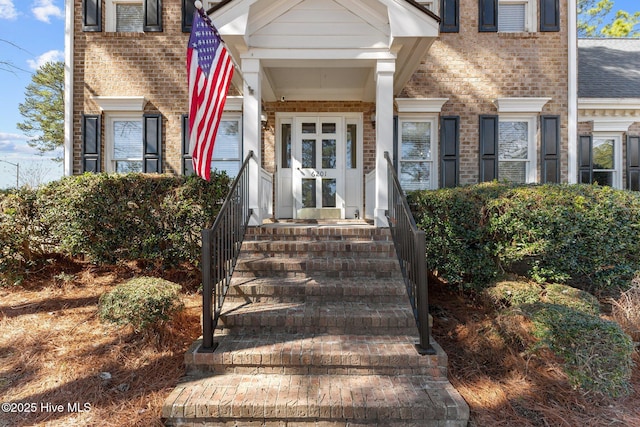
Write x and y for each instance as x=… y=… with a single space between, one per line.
x=384 y=135
x=572 y=150
x=68 y=89
x=252 y=132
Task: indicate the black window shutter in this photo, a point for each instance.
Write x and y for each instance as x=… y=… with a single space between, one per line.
x=585 y=167
x=187 y=15
x=91 y=131
x=152 y=11
x=449 y=15
x=92 y=15
x=633 y=163
x=488 y=148
x=549 y=15
x=450 y=143
x=152 y=143
x=550 y=130
x=187 y=162
x=488 y=15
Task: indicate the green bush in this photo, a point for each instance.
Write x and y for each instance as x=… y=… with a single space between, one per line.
x=142 y=302
x=597 y=354
x=110 y=218
x=583 y=235
x=572 y=298
x=512 y=293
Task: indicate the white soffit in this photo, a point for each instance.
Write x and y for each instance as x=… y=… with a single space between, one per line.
x=520 y=105
x=120 y=103
x=420 y=105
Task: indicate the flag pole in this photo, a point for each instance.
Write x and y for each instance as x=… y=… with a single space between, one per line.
x=200 y=8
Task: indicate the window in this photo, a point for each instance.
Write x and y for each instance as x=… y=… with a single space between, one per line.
x=125 y=136
x=431 y=5
x=508 y=16
x=516 y=150
x=124 y=16
x=600 y=159
x=604 y=164
x=133 y=16
x=227 y=150
x=417 y=154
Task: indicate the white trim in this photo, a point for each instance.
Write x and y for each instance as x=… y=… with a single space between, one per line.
x=120 y=103
x=609 y=103
x=610 y=124
x=420 y=105
x=233 y=103
x=68 y=89
x=572 y=149
x=520 y=105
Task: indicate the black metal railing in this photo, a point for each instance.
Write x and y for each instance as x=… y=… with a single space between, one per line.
x=410 y=244
x=220 y=249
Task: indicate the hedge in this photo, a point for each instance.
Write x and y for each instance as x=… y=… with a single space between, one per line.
x=110 y=218
x=584 y=235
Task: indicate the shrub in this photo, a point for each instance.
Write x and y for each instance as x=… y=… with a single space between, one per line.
x=597 y=354
x=512 y=293
x=110 y=218
x=572 y=298
x=583 y=235
x=142 y=302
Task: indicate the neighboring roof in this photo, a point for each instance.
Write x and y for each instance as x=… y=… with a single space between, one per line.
x=609 y=68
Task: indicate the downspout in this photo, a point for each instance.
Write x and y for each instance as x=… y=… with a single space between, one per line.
x=572 y=29
x=68 y=88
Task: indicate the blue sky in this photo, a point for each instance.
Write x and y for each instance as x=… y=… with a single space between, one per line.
x=32 y=33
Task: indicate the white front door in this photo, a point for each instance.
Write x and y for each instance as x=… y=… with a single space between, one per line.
x=316 y=155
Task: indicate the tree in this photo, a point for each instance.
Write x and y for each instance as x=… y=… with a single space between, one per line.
x=591 y=16
x=43 y=109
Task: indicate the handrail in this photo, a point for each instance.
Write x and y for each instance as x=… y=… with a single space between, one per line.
x=410 y=244
x=220 y=249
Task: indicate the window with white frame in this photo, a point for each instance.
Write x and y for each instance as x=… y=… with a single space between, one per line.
x=227 y=150
x=607 y=159
x=516 y=16
x=517 y=149
x=124 y=16
x=417 y=152
x=123 y=139
x=432 y=5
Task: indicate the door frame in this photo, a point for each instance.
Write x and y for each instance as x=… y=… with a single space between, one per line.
x=285 y=206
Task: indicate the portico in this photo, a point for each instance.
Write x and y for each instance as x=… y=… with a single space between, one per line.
x=321 y=51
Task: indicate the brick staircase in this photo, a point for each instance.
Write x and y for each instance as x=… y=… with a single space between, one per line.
x=316 y=330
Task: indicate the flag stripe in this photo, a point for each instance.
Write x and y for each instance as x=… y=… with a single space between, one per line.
x=209 y=73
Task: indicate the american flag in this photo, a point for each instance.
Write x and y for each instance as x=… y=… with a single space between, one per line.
x=209 y=73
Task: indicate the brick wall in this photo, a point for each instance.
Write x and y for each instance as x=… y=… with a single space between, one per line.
x=473 y=68
x=152 y=65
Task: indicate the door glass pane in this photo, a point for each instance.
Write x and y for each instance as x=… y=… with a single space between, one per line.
x=352 y=147
x=309 y=193
x=415 y=175
x=416 y=140
x=308 y=153
x=328 y=128
x=603 y=154
x=308 y=128
x=513 y=141
x=329 y=153
x=515 y=172
x=286 y=146
x=329 y=193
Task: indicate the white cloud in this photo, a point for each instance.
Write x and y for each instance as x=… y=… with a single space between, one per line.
x=43 y=10
x=8 y=10
x=50 y=56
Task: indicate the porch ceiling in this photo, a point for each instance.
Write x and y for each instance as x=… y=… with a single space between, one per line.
x=326 y=49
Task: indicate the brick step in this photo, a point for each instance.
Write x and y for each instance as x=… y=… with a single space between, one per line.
x=262 y=266
x=351 y=318
x=319 y=233
x=310 y=354
x=320 y=248
x=262 y=289
x=258 y=399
